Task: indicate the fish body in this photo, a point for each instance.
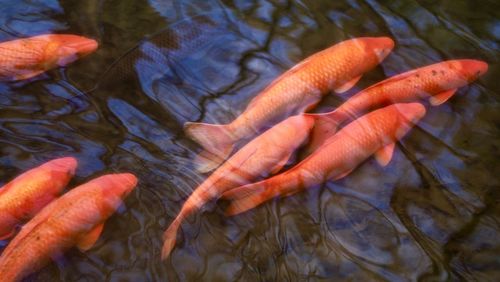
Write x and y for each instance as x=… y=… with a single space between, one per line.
x=76 y=218
x=436 y=82
x=337 y=68
x=27 y=194
x=373 y=133
x=28 y=57
x=266 y=154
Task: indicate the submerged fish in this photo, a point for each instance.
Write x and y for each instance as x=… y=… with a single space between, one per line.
x=437 y=82
x=267 y=153
x=27 y=194
x=337 y=68
x=28 y=57
x=76 y=218
x=375 y=132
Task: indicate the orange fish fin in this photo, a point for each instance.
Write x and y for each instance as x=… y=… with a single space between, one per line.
x=88 y=240
x=384 y=154
x=246 y=197
x=169 y=238
x=342 y=175
x=310 y=106
x=206 y=161
x=214 y=138
x=348 y=85
x=440 y=98
x=280 y=164
x=7 y=235
x=28 y=74
x=325 y=126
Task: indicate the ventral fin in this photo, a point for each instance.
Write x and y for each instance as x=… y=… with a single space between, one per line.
x=280 y=164
x=440 y=98
x=88 y=240
x=28 y=74
x=348 y=85
x=341 y=175
x=384 y=155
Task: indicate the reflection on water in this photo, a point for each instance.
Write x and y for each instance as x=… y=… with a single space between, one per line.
x=431 y=214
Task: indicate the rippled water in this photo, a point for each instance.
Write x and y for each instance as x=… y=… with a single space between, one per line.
x=432 y=214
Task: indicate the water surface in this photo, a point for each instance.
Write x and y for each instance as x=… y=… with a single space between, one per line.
x=432 y=214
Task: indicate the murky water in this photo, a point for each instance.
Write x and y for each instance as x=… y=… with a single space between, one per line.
x=432 y=214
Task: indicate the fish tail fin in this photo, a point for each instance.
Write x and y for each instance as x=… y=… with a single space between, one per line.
x=216 y=140
x=170 y=238
x=245 y=197
x=325 y=126
x=196 y=200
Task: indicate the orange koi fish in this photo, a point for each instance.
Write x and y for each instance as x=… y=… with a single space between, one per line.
x=437 y=82
x=28 y=57
x=267 y=153
x=28 y=193
x=337 y=68
x=76 y=218
x=375 y=132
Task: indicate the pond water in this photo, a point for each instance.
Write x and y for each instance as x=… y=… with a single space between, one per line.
x=432 y=214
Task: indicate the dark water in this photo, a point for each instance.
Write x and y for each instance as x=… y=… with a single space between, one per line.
x=433 y=214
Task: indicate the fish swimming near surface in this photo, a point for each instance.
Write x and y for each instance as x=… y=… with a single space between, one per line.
x=27 y=194
x=28 y=57
x=337 y=68
x=76 y=218
x=373 y=133
x=437 y=82
x=266 y=154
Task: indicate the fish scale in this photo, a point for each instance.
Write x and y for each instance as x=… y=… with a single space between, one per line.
x=28 y=193
x=297 y=90
x=64 y=223
x=337 y=157
x=436 y=82
x=27 y=57
x=266 y=154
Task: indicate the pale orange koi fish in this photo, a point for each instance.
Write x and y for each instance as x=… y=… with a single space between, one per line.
x=437 y=82
x=337 y=68
x=27 y=194
x=375 y=132
x=28 y=57
x=267 y=153
x=76 y=218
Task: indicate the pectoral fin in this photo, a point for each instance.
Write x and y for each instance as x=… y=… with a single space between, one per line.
x=440 y=98
x=280 y=164
x=88 y=240
x=28 y=74
x=7 y=235
x=348 y=85
x=384 y=155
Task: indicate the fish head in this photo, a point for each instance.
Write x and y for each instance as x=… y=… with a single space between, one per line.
x=378 y=47
x=408 y=115
x=67 y=48
x=66 y=164
x=115 y=187
x=62 y=170
x=470 y=70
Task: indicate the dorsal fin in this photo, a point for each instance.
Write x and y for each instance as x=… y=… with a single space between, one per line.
x=394 y=78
